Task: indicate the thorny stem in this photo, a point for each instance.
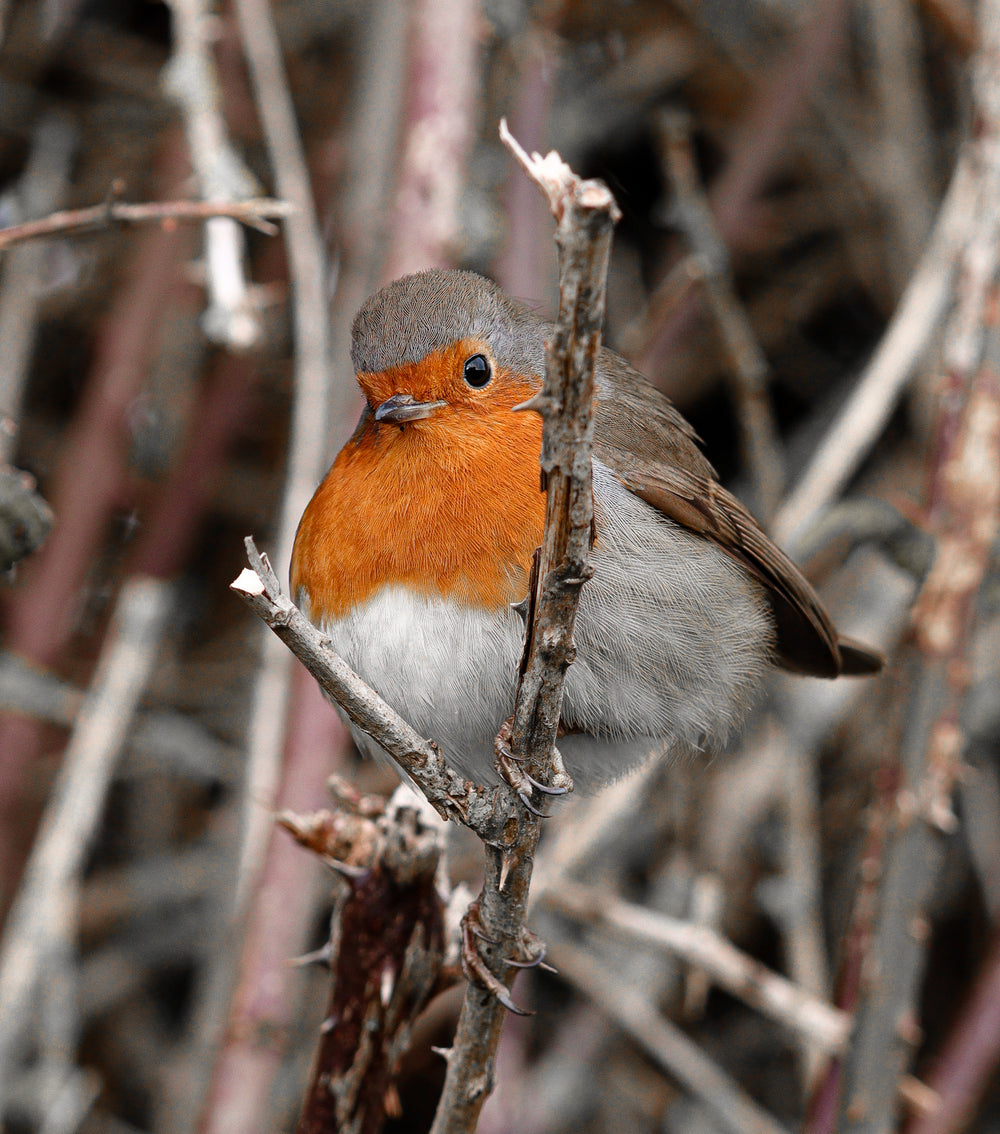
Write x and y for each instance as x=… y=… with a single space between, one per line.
x=586 y=213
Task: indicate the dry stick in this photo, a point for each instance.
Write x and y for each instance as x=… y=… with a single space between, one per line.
x=249 y=1059
x=40 y=190
x=964 y=507
x=905 y=136
x=749 y=366
x=880 y=387
x=255 y=212
x=190 y=78
x=483 y=810
x=585 y=213
x=74 y=809
x=728 y=966
x=307 y=443
x=732 y=1109
x=441 y=97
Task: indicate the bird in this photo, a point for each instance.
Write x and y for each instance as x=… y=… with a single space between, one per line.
x=413 y=556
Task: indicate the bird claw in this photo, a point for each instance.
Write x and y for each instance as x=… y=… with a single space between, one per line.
x=475 y=968
x=510 y=769
x=545 y=789
x=529 y=806
x=535 y=949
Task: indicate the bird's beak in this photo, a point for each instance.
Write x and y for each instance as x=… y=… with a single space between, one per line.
x=403 y=408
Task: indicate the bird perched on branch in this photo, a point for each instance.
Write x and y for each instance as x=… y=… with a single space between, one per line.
x=416 y=548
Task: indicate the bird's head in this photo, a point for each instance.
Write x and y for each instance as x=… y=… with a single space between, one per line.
x=442 y=347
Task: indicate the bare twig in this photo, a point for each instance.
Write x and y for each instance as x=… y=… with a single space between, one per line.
x=903 y=169
x=293 y=769
x=447 y=791
x=679 y=1056
x=879 y=388
x=42 y=186
x=307 y=443
x=75 y=807
x=255 y=212
x=191 y=79
x=729 y=967
x=964 y=507
x=585 y=213
x=442 y=102
x=749 y=368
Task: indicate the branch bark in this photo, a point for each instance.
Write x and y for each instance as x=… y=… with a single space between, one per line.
x=585 y=213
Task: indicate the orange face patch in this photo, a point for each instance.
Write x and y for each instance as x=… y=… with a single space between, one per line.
x=449 y=505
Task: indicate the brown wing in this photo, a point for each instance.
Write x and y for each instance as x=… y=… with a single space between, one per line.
x=654 y=452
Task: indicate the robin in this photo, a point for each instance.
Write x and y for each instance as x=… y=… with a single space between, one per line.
x=417 y=547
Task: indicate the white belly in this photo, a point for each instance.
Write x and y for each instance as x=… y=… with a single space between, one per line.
x=450 y=671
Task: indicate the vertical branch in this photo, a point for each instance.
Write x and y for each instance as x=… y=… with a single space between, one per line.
x=307 y=443
x=964 y=508
x=585 y=212
x=749 y=368
x=190 y=78
x=443 y=69
x=291 y=764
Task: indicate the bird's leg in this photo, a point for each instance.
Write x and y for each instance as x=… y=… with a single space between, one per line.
x=511 y=769
x=475 y=968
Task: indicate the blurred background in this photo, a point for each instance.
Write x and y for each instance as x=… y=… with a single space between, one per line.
x=792 y=187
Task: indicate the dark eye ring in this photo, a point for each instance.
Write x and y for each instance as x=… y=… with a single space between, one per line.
x=477 y=371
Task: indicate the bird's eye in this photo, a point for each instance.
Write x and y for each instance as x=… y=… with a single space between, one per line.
x=477 y=371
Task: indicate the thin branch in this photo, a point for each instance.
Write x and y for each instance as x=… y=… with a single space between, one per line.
x=75 y=807
x=191 y=79
x=749 y=368
x=859 y=424
x=441 y=98
x=449 y=793
x=729 y=967
x=280 y=762
x=312 y=378
x=254 y=212
x=585 y=213
x=679 y=1056
x=963 y=511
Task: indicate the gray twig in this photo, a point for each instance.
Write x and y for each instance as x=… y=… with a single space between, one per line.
x=191 y=79
x=749 y=367
x=859 y=424
x=963 y=513
x=728 y=966
x=256 y=212
x=585 y=213
x=75 y=808
x=679 y=1056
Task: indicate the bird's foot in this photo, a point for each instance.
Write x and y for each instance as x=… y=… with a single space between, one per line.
x=511 y=768
x=532 y=953
x=475 y=968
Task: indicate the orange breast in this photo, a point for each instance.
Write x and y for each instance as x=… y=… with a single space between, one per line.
x=446 y=506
